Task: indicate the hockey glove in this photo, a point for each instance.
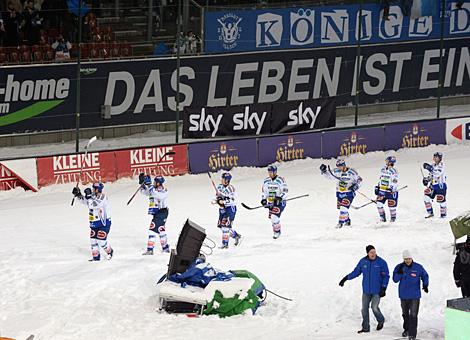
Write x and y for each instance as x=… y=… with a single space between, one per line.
x=264 y=202
x=382 y=292
x=147 y=180
x=426 y=290
x=76 y=192
x=141 y=178
x=425 y=181
x=343 y=280
x=87 y=192
x=457 y=283
x=220 y=201
x=400 y=269
x=323 y=168
x=377 y=190
x=277 y=201
x=354 y=187
x=427 y=166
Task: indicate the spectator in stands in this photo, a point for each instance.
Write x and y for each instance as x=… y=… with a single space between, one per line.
x=2 y=29
x=61 y=48
x=12 y=22
x=182 y=44
x=32 y=23
x=192 y=43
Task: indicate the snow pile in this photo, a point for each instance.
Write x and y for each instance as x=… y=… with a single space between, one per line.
x=50 y=290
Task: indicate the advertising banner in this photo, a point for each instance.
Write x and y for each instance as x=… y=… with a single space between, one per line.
x=415 y=135
x=214 y=156
x=10 y=180
x=97 y=166
x=458 y=130
x=303 y=115
x=345 y=143
x=259 y=119
x=227 y=121
x=289 y=148
x=152 y=161
x=42 y=98
x=311 y=27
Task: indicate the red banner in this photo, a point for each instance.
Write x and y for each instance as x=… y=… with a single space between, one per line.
x=10 y=180
x=152 y=161
x=112 y=165
x=97 y=166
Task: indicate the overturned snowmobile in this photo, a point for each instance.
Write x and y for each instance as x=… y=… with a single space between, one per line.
x=193 y=286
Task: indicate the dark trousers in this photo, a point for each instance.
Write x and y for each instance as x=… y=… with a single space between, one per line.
x=409 y=310
x=465 y=288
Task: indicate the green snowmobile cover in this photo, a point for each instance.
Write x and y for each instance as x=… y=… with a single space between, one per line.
x=461 y=225
x=234 y=305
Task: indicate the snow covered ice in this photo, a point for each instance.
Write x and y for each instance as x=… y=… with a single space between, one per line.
x=49 y=289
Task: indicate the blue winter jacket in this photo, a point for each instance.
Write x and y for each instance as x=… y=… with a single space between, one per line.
x=409 y=287
x=375 y=274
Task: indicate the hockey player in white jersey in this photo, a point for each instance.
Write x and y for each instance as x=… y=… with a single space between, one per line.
x=226 y=199
x=99 y=217
x=386 y=189
x=436 y=186
x=158 y=208
x=274 y=195
x=348 y=182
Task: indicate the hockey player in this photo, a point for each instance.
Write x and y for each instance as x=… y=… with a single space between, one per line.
x=436 y=186
x=348 y=182
x=227 y=210
x=158 y=208
x=386 y=190
x=99 y=217
x=274 y=195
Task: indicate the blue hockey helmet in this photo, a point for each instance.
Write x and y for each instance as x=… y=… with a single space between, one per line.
x=438 y=155
x=227 y=176
x=98 y=186
x=391 y=160
x=340 y=163
x=159 y=179
x=272 y=168
x=147 y=180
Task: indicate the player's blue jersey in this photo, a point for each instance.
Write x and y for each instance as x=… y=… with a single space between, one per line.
x=344 y=179
x=99 y=214
x=438 y=174
x=228 y=194
x=272 y=188
x=157 y=198
x=388 y=180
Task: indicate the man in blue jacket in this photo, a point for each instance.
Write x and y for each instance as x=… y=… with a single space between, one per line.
x=410 y=274
x=375 y=278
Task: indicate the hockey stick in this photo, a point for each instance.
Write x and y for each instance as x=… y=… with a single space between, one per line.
x=92 y=139
x=213 y=184
x=374 y=201
x=140 y=186
x=266 y=206
x=331 y=173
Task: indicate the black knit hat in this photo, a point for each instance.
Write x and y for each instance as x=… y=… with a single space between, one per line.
x=369 y=248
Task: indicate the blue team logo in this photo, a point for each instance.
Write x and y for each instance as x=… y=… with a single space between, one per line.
x=229 y=31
